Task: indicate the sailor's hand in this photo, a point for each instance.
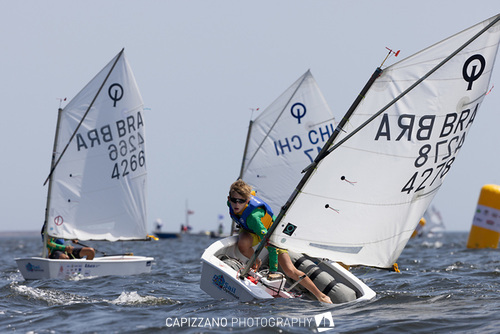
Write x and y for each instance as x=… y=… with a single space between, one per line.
x=69 y=249
x=75 y=241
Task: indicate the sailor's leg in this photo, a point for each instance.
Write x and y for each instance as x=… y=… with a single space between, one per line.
x=295 y=274
x=245 y=243
x=88 y=252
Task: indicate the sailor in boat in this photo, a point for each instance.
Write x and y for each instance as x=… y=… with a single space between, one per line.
x=254 y=217
x=59 y=250
x=221 y=228
x=158 y=225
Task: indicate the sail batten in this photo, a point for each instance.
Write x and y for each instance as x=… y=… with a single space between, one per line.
x=407 y=133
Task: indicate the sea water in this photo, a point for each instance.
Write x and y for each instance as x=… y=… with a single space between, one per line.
x=443 y=287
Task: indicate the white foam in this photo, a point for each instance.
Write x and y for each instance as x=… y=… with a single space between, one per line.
x=52 y=297
x=133 y=298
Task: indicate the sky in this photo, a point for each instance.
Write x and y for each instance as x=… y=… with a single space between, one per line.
x=201 y=66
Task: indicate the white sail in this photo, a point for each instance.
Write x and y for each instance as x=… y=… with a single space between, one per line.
x=99 y=185
x=285 y=138
x=364 y=200
x=434 y=222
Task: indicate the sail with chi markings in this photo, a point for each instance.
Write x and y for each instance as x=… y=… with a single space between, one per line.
x=285 y=138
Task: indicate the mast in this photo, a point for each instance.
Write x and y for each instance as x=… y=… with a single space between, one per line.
x=310 y=169
x=187 y=214
x=49 y=189
x=233 y=224
x=246 y=149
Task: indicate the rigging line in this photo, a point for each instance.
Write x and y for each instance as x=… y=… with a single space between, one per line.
x=279 y=116
x=84 y=116
x=418 y=82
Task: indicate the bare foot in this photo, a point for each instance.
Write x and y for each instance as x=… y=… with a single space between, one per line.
x=257 y=264
x=325 y=299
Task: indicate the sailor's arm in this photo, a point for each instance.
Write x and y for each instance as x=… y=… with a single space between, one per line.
x=254 y=222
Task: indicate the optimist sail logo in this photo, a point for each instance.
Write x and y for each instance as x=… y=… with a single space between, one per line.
x=326 y=319
x=298 y=110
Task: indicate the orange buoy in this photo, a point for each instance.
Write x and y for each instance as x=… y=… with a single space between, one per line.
x=485 y=229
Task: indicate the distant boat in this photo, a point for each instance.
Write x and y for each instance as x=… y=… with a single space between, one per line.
x=163 y=235
x=434 y=222
x=360 y=200
x=186 y=227
x=220 y=229
x=431 y=224
x=167 y=235
x=97 y=182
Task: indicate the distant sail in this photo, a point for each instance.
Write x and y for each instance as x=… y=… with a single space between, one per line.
x=285 y=138
x=99 y=185
x=364 y=200
x=434 y=221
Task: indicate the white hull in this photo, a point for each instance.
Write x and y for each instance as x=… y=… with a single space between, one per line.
x=41 y=268
x=221 y=281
